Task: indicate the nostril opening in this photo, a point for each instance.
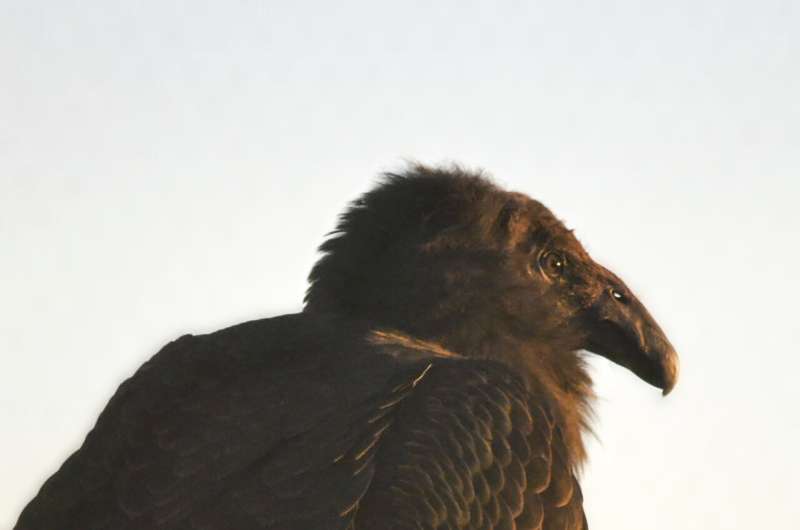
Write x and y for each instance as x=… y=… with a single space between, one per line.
x=618 y=295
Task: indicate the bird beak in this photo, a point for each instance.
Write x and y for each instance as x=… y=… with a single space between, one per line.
x=621 y=330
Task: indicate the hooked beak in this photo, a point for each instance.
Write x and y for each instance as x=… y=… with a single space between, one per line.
x=621 y=330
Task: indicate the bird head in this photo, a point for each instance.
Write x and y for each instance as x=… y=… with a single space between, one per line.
x=447 y=256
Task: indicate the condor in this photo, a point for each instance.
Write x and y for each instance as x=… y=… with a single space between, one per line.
x=434 y=380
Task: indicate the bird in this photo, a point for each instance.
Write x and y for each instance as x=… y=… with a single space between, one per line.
x=435 y=378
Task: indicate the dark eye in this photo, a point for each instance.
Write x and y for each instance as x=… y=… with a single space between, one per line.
x=553 y=264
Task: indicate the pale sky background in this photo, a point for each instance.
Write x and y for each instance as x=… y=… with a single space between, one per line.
x=170 y=167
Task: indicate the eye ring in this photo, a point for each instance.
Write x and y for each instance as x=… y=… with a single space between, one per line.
x=552 y=264
x=618 y=295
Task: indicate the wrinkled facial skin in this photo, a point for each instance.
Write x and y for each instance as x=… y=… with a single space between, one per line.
x=589 y=297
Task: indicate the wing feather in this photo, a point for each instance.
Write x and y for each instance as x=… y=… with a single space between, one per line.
x=299 y=422
x=475 y=447
x=270 y=424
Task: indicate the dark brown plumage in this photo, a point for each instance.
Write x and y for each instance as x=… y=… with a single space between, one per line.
x=433 y=380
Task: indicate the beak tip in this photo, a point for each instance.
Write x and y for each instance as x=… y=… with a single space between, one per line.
x=671 y=369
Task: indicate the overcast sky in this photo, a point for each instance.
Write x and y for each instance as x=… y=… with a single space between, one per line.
x=170 y=167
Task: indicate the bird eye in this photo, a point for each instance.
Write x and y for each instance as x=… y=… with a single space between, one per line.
x=618 y=295
x=552 y=264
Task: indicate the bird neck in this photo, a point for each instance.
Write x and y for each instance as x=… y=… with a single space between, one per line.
x=559 y=370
